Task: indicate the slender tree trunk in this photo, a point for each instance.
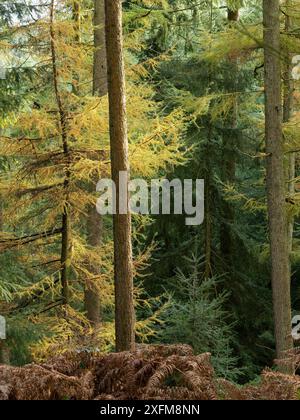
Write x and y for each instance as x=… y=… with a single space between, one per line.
x=229 y=168
x=287 y=114
x=208 y=272
x=125 y=319
x=208 y=225
x=291 y=192
x=94 y=220
x=276 y=181
x=66 y=241
x=76 y=19
x=4 y=349
x=100 y=59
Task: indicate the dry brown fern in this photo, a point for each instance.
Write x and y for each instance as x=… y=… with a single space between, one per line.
x=35 y=382
x=156 y=371
x=275 y=386
x=151 y=372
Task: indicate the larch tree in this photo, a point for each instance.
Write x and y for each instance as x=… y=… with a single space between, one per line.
x=35 y=185
x=7 y=12
x=276 y=192
x=123 y=264
x=66 y=245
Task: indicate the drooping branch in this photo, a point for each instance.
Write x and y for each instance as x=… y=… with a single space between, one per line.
x=25 y=240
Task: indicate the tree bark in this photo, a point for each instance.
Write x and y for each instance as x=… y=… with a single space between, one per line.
x=94 y=220
x=208 y=227
x=4 y=353
x=76 y=19
x=276 y=181
x=208 y=220
x=124 y=306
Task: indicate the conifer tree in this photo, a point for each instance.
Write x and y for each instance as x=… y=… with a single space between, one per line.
x=288 y=100
x=66 y=240
x=35 y=185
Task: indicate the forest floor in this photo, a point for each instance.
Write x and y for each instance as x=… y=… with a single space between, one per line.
x=151 y=372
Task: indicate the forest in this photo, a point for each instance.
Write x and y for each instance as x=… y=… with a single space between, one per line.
x=149 y=200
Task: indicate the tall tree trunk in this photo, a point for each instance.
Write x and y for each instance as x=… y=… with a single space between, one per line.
x=276 y=181
x=208 y=271
x=233 y=15
x=125 y=318
x=4 y=349
x=94 y=220
x=76 y=19
x=208 y=218
x=288 y=93
x=91 y=294
x=229 y=168
x=66 y=241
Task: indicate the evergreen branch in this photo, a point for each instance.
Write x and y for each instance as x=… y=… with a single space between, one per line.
x=25 y=240
x=35 y=297
x=52 y=305
x=38 y=190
